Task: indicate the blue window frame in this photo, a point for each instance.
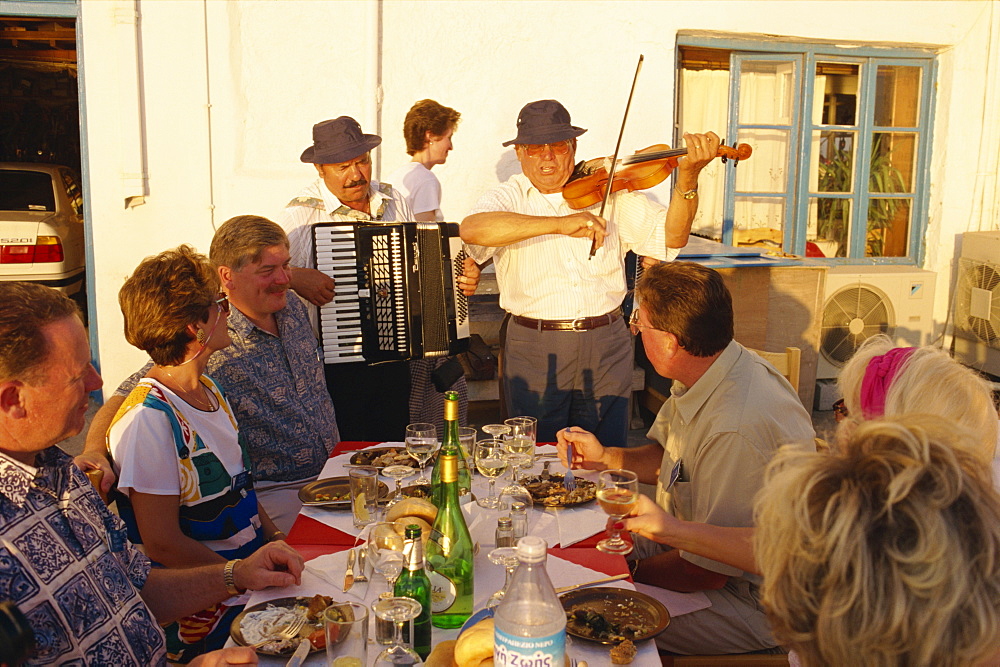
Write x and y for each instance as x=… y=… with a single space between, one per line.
x=841 y=139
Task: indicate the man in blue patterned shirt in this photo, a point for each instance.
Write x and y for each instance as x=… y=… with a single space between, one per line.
x=271 y=372
x=89 y=596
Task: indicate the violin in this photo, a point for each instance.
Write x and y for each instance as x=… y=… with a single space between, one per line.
x=644 y=169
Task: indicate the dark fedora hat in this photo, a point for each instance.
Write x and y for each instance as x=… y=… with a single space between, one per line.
x=338 y=140
x=544 y=122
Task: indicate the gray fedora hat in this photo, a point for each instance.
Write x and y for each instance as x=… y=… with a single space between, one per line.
x=544 y=122
x=338 y=140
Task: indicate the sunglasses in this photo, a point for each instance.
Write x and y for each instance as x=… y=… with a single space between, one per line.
x=222 y=302
x=559 y=148
x=839 y=409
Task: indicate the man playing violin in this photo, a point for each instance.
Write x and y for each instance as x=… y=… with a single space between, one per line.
x=567 y=352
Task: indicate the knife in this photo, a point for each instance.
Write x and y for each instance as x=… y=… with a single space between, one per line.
x=349 y=574
x=300 y=654
x=573 y=587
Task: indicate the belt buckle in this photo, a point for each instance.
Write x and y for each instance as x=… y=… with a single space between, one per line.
x=578 y=324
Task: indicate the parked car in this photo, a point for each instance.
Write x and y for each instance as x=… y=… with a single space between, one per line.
x=41 y=227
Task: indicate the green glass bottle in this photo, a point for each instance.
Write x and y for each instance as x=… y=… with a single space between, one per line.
x=450 y=554
x=413 y=583
x=450 y=443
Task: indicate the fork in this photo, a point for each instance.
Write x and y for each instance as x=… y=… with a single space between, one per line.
x=568 y=480
x=290 y=631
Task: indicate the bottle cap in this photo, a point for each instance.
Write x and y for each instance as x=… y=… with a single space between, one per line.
x=412 y=531
x=517 y=507
x=504 y=521
x=531 y=549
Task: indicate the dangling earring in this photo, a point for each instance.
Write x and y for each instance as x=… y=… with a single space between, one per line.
x=200 y=336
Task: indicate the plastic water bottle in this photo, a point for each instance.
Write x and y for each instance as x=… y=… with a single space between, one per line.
x=530 y=624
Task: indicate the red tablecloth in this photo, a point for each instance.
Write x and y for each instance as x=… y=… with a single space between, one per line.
x=313 y=538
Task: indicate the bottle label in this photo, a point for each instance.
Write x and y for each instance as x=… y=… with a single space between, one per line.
x=512 y=651
x=443 y=592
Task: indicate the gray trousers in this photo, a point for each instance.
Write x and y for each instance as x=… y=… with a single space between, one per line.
x=735 y=623
x=570 y=378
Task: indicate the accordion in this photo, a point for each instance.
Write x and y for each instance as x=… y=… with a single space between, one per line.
x=397 y=296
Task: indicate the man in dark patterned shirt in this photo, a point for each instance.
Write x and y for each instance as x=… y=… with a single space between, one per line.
x=271 y=372
x=89 y=596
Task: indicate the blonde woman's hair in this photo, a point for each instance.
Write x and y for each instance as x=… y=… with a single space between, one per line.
x=885 y=553
x=928 y=382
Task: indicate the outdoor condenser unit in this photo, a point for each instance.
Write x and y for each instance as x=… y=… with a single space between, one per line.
x=977 y=302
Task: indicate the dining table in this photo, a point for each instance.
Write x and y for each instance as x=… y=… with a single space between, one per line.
x=324 y=536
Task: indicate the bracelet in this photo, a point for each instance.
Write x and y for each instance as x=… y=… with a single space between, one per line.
x=690 y=194
x=229 y=580
x=275 y=534
x=633 y=567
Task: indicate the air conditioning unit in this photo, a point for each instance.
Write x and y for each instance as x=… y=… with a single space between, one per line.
x=863 y=301
x=977 y=302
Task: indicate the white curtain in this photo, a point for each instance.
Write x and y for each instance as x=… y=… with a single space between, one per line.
x=704 y=107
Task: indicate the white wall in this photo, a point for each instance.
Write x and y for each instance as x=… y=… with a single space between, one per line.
x=269 y=70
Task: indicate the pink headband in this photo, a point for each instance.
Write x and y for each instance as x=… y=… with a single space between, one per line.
x=879 y=374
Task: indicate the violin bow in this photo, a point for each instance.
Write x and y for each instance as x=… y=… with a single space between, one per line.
x=614 y=159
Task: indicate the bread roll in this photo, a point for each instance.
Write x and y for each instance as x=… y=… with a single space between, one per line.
x=475 y=644
x=443 y=654
x=419 y=507
x=402 y=522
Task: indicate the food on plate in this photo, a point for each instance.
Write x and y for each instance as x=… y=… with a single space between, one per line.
x=347 y=661
x=624 y=653
x=620 y=625
x=332 y=497
x=382 y=457
x=475 y=645
x=418 y=507
x=263 y=627
x=417 y=491
x=317 y=605
x=402 y=522
x=552 y=493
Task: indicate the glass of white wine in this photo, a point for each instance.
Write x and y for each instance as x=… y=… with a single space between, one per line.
x=521 y=441
x=421 y=443
x=490 y=457
x=617 y=494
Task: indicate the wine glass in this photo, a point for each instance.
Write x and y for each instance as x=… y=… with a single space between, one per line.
x=506 y=556
x=385 y=551
x=421 y=443
x=617 y=494
x=490 y=457
x=521 y=441
x=398 y=611
x=496 y=430
x=398 y=473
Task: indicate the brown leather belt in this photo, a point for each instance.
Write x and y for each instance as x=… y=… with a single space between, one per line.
x=579 y=324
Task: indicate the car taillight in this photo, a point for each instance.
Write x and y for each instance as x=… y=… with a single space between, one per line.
x=46 y=249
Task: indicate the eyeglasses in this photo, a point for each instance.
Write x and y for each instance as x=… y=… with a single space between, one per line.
x=635 y=327
x=537 y=150
x=840 y=410
x=222 y=302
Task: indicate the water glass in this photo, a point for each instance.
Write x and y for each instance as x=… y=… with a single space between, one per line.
x=421 y=444
x=346 y=626
x=364 y=494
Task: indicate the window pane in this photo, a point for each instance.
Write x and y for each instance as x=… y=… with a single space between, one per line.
x=757 y=212
x=829 y=224
x=888 y=228
x=767 y=168
x=897 y=96
x=766 y=92
x=894 y=156
x=835 y=94
x=832 y=161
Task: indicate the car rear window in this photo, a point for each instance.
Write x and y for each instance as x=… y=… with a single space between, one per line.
x=26 y=191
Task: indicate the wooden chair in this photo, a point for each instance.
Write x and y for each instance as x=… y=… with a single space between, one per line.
x=787 y=363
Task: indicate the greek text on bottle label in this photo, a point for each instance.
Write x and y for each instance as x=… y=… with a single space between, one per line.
x=511 y=651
